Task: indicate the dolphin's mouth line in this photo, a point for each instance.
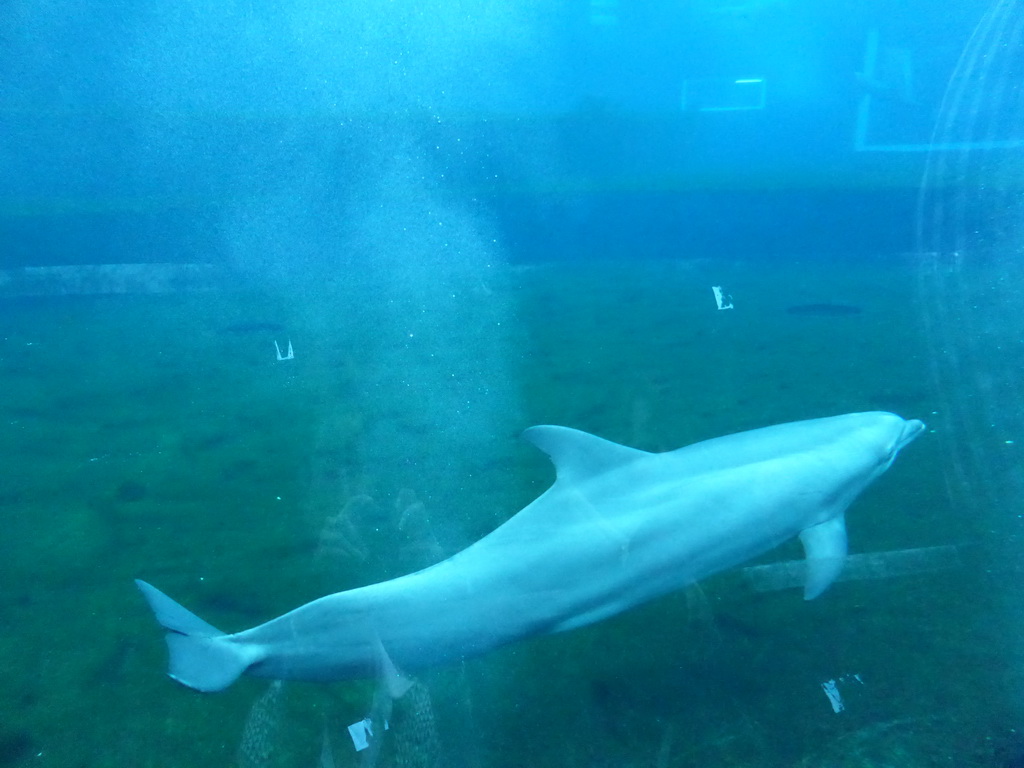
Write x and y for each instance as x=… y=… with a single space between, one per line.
x=910 y=433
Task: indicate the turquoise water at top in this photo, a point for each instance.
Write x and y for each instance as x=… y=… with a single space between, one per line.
x=466 y=219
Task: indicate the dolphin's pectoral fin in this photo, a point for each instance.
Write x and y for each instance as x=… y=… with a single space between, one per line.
x=202 y=657
x=391 y=679
x=825 y=549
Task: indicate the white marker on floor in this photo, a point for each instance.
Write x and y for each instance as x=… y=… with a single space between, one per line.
x=362 y=732
x=291 y=352
x=834 y=698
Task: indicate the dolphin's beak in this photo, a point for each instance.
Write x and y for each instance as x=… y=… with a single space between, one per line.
x=911 y=429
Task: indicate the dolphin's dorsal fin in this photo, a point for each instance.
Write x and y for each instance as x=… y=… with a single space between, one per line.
x=578 y=455
x=825 y=549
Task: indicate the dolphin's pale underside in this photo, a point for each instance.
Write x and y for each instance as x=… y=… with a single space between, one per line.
x=619 y=527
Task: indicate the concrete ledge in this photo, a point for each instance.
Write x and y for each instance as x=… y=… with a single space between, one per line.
x=110 y=279
x=861 y=567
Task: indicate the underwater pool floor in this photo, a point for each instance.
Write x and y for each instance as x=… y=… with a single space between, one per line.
x=159 y=437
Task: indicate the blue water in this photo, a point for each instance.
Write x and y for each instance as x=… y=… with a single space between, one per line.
x=468 y=218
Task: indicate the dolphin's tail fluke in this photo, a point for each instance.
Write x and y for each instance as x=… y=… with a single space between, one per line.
x=202 y=657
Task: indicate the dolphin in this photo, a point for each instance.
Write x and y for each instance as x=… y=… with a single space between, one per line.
x=618 y=527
